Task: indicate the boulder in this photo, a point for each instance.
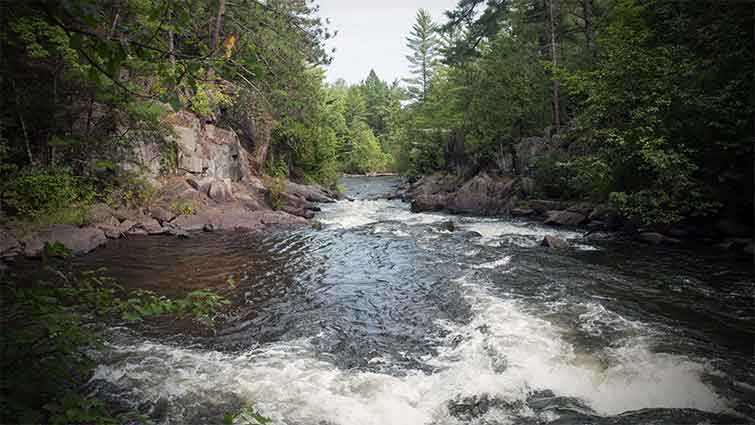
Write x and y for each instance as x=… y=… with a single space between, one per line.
x=448 y=226
x=541 y=206
x=554 y=242
x=99 y=213
x=584 y=209
x=80 y=240
x=311 y=193
x=114 y=229
x=522 y=212
x=564 y=218
x=655 y=238
x=9 y=245
x=734 y=244
x=731 y=227
x=220 y=190
x=486 y=195
x=161 y=214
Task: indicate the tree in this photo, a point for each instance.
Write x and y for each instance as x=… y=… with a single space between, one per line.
x=424 y=45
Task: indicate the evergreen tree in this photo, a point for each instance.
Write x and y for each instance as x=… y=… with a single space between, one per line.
x=424 y=45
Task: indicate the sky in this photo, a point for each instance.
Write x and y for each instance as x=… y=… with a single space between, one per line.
x=372 y=35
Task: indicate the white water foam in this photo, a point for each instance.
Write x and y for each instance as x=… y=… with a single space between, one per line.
x=350 y=214
x=520 y=234
x=493 y=265
x=503 y=352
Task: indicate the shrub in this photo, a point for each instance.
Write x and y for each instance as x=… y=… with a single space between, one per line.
x=34 y=192
x=183 y=207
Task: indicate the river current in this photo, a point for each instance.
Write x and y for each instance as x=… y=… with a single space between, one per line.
x=384 y=316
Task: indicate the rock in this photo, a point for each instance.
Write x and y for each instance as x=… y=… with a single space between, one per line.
x=193 y=183
x=235 y=219
x=542 y=206
x=483 y=194
x=152 y=227
x=731 y=227
x=114 y=229
x=162 y=215
x=584 y=209
x=208 y=228
x=99 y=213
x=9 y=246
x=655 y=238
x=600 y=212
x=311 y=193
x=449 y=226
x=734 y=244
x=80 y=240
x=564 y=218
x=174 y=231
x=528 y=185
x=522 y=212
x=220 y=191
x=554 y=242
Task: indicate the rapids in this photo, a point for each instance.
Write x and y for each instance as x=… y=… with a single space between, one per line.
x=383 y=317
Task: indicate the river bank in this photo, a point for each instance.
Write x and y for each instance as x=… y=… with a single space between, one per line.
x=179 y=205
x=488 y=194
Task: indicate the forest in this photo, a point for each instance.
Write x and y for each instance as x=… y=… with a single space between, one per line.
x=650 y=102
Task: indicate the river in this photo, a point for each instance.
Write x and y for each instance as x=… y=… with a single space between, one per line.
x=383 y=317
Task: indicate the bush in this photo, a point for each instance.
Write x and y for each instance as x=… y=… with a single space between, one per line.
x=132 y=191
x=35 y=192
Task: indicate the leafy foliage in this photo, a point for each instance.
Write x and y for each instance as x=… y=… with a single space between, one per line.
x=50 y=327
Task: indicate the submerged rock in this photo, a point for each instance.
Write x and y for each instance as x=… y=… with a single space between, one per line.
x=554 y=242
x=655 y=238
x=448 y=225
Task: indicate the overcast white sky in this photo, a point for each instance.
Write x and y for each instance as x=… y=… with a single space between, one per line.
x=371 y=34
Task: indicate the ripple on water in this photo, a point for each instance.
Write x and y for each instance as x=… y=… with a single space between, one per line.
x=381 y=318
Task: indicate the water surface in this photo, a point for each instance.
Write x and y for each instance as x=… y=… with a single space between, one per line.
x=382 y=317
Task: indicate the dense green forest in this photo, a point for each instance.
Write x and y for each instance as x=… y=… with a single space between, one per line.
x=650 y=103
x=653 y=98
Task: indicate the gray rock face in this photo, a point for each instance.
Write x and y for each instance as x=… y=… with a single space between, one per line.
x=206 y=151
x=554 y=242
x=80 y=240
x=564 y=218
x=483 y=194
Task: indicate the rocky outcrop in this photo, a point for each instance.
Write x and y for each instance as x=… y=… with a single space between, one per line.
x=483 y=194
x=208 y=185
x=79 y=240
x=193 y=149
x=564 y=218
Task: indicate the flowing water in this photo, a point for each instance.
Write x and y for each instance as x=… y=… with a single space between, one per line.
x=383 y=317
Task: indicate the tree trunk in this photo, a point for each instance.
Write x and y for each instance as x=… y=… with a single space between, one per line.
x=556 y=101
x=218 y=24
x=171 y=39
x=587 y=11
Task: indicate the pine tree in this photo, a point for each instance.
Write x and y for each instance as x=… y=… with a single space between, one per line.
x=423 y=42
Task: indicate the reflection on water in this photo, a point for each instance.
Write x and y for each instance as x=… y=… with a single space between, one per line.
x=383 y=317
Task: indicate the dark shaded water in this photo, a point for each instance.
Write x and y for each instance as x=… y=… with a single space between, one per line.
x=384 y=318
